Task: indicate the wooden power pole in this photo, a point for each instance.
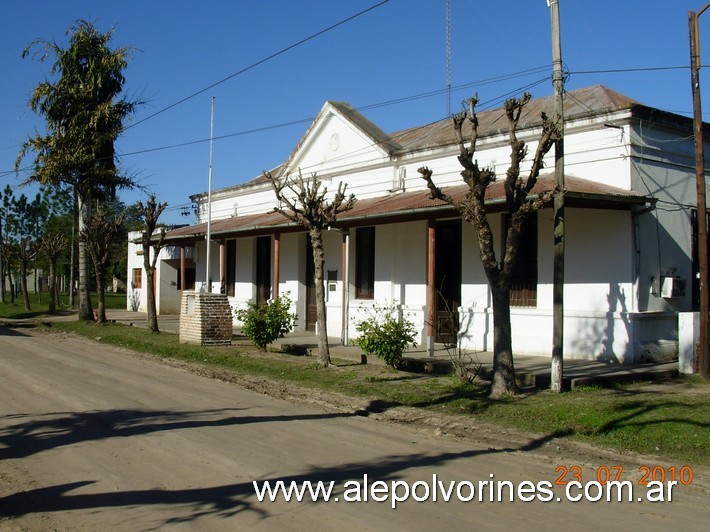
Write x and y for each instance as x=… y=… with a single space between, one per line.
x=558 y=275
x=703 y=360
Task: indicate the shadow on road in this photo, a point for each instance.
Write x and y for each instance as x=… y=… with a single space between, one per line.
x=221 y=501
x=23 y=437
x=60 y=429
x=12 y=330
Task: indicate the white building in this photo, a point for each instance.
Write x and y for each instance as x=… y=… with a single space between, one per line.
x=630 y=264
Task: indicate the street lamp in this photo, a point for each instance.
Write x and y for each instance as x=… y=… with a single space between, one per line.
x=703 y=358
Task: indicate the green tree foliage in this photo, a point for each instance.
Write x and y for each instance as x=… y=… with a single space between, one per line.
x=385 y=333
x=23 y=233
x=53 y=244
x=102 y=228
x=5 y=252
x=84 y=116
x=264 y=323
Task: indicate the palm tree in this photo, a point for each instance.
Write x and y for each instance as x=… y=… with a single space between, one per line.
x=83 y=117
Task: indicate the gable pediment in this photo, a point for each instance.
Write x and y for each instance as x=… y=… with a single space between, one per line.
x=339 y=139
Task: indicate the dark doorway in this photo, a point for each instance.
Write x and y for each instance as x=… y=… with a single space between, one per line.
x=231 y=274
x=447 y=269
x=263 y=269
x=190 y=275
x=311 y=312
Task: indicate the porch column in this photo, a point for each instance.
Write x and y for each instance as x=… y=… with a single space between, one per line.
x=222 y=266
x=430 y=288
x=346 y=287
x=277 y=250
x=182 y=267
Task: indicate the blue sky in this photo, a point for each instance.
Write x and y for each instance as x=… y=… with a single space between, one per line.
x=393 y=52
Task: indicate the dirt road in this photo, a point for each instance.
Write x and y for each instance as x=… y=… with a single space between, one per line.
x=93 y=438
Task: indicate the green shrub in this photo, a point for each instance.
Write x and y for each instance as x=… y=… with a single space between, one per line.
x=386 y=334
x=264 y=323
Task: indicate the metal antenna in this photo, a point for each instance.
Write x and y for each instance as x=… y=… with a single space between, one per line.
x=448 y=57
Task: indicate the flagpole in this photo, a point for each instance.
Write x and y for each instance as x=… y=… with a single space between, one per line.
x=209 y=203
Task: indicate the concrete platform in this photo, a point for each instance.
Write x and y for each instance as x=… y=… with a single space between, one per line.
x=530 y=370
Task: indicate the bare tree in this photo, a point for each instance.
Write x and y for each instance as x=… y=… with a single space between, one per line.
x=150 y=212
x=99 y=233
x=53 y=245
x=306 y=204
x=521 y=206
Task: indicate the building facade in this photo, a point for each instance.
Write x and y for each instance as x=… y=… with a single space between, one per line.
x=630 y=260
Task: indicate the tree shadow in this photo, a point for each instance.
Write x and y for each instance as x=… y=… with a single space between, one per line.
x=616 y=298
x=60 y=429
x=188 y=505
x=632 y=411
x=12 y=330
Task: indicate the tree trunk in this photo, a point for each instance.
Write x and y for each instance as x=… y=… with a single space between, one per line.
x=2 y=267
x=11 y=282
x=72 y=277
x=38 y=288
x=152 y=311
x=86 y=312
x=23 y=281
x=101 y=291
x=58 y=289
x=52 y=282
x=2 y=278
x=503 y=366
x=318 y=261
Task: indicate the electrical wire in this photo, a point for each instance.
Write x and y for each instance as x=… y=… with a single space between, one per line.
x=628 y=70
x=386 y=103
x=260 y=62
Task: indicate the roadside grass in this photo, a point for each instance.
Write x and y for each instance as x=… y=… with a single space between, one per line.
x=40 y=305
x=670 y=419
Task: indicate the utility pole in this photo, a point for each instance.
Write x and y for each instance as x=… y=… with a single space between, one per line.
x=703 y=360
x=558 y=274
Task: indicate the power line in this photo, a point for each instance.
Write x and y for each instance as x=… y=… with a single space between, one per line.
x=626 y=70
x=260 y=62
x=489 y=103
x=483 y=105
x=386 y=103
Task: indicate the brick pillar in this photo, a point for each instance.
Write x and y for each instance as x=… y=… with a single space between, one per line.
x=205 y=319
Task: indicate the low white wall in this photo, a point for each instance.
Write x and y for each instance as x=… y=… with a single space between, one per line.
x=621 y=337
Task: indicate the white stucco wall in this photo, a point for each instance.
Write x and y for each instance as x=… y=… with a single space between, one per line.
x=167 y=293
x=612 y=256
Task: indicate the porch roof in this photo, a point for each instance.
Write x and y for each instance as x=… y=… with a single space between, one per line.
x=415 y=205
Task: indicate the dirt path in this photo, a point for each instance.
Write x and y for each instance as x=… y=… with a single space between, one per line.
x=92 y=437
